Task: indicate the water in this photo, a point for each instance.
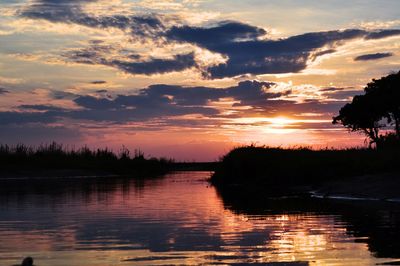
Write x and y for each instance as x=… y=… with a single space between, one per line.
x=181 y=220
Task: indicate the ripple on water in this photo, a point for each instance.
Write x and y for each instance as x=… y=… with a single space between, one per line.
x=181 y=220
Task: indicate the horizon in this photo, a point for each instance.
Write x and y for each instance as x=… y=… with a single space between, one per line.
x=189 y=79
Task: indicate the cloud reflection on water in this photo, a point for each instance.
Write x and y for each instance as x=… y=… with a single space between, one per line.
x=177 y=219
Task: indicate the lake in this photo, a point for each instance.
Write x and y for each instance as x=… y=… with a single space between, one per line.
x=179 y=219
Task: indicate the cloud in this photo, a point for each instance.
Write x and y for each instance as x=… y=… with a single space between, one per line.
x=155 y=65
x=342 y=94
x=326 y=108
x=3 y=91
x=376 y=56
x=382 y=34
x=42 y=107
x=331 y=89
x=98 y=82
x=55 y=11
x=60 y=95
x=172 y=105
x=252 y=55
x=65 y=11
x=242 y=45
x=154 y=102
x=38 y=133
x=165 y=107
x=11 y=117
x=222 y=33
x=245 y=47
x=133 y=64
x=252 y=93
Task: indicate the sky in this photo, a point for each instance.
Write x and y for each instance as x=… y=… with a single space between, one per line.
x=189 y=79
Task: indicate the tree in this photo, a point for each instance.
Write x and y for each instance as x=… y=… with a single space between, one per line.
x=386 y=92
x=378 y=108
x=356 y=117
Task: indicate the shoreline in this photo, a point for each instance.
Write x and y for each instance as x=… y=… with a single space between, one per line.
x=343 y=174
x=87 y=173
x=376 y=187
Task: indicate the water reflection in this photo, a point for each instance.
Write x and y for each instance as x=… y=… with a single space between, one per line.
x=180 y=219
x=374 y=223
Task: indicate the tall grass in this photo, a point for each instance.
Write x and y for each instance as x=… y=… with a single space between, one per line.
x=52 y=156
x=301 y=166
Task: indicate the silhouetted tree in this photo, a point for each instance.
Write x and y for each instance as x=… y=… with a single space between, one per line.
x=378 y=108
x=357 y=116
x=386 y=93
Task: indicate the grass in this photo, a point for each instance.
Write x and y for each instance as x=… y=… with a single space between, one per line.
x=278 y=168
x=23 y=159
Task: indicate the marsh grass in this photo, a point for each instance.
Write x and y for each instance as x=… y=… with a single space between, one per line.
x=55 y=156
x=278 y=167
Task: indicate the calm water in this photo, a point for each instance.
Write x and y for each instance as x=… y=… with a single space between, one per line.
x=181 y=220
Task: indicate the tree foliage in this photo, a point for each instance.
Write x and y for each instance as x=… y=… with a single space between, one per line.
x=377 y=110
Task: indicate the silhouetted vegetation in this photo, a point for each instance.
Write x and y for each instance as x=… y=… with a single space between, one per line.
x=56 y=159
x=376 y=114
x=277 y=170
x=378 y=110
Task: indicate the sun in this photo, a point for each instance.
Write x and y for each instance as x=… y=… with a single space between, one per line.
x=280 y=121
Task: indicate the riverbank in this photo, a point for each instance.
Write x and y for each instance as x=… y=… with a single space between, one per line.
x=27 y=173
x=56 y=160
x=368 y=187
x=352 y=173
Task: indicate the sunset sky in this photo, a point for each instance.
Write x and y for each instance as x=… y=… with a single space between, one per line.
x=189 y=79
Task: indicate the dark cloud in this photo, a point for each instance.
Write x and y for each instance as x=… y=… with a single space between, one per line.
x=162 y=103
x=162 y=106
x=96 y=82
x=42 y=107
x=92 y=54
x=252 y=93
x=375 y=56
x=382 y=34
x=343 y=94
x=340 y=93
x=37 y=133
x=184 y=95
x=55 y=11
x=331 y=89
x=326 y=108
x=240 y=43
x=246 y=47
x=154 y=102
x=97 y=54
x=60 y=95
x=323 y=52
x=224 y=32
x=94 y=103
x=261 y=56
x=67 y=11
x=156 y=66
x=10 y=117
x=3 y=91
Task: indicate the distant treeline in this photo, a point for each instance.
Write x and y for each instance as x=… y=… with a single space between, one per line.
x=276 y=168
x=21 y=159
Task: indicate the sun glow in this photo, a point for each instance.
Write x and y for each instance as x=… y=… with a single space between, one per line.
x=280 y=121
x=273 y=121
